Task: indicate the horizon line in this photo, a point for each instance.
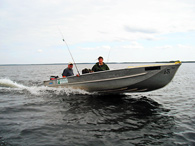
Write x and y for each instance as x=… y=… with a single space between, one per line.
x=95 y=62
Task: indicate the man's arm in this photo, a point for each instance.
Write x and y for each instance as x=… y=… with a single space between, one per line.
x=64 y=73
x=107 y=68
x=94 y=68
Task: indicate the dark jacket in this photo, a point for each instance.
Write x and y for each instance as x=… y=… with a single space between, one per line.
x=67 y=72
x=98 y=67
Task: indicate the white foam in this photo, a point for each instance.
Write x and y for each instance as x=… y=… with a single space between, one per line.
x=10 y=83
x=38 y=90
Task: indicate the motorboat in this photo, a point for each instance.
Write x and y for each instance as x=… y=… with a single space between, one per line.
x=132 y=79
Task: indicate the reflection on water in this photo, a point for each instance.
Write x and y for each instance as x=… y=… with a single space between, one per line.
x=59 y=116
x=119 y=118
x=31 y=114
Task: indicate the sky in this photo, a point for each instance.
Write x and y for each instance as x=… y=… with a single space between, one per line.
x=31 y=31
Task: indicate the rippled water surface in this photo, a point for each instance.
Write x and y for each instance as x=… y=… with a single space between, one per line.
x=32 y=114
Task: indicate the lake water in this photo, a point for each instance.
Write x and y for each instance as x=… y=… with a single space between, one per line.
x=34 y=115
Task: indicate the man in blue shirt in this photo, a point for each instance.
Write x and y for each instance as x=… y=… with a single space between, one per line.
x=68 y=71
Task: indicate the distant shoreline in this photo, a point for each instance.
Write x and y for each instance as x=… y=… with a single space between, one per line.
x=94 y=63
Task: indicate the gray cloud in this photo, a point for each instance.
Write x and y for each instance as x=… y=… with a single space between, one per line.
x=141 y=30
x=31 y=26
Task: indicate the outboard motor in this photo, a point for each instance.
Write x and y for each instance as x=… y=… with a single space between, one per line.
x=53 y=77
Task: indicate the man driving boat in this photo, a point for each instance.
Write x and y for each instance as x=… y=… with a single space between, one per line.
x=100 y=66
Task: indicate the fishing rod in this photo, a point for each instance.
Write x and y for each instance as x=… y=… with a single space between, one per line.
x=108 y=55
x=68 y=50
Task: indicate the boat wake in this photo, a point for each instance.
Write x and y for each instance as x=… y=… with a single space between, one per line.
x=7 y=85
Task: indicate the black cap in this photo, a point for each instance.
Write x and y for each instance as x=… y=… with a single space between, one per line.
x=100 y=57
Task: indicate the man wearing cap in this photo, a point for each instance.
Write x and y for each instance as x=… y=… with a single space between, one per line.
x=68 y=71
x=100 y=66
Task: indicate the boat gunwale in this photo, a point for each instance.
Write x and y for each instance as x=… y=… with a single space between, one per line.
x=133 y=67
x=102 y=80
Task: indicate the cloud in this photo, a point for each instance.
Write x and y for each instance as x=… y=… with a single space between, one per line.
x=139 y=30
x=133 y=45
x=184 y=46
x=85 y=21
x=40 y=51
x=164 y=47
x=33 y=25
x=103 y=48
x=98 y=21
x=175 y=47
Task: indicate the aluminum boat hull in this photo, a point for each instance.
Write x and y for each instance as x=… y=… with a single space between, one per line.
x=132 y=79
